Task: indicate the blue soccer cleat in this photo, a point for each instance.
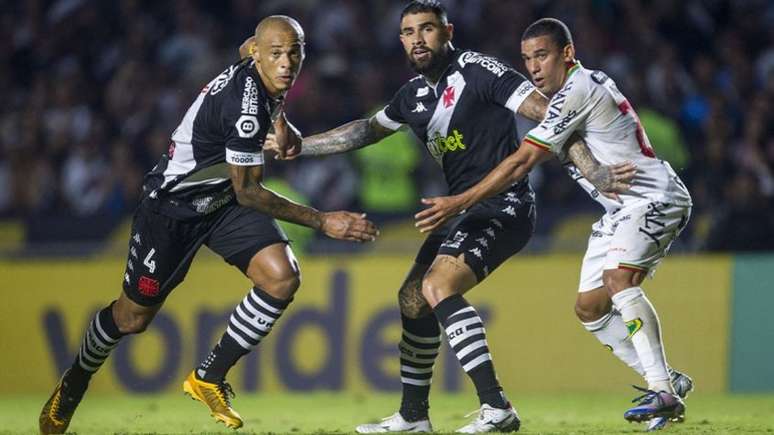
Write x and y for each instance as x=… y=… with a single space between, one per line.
x=654 y=404
x=683 y=384
x=657 y=423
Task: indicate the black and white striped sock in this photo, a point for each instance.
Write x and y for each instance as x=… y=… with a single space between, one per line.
x=250 y=322
x=418 y=350
x=102 y=336
x=467 y=338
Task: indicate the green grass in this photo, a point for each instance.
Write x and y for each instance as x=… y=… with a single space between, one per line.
x=328 y=412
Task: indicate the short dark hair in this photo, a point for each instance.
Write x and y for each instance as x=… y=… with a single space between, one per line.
x=433 y=6
x=552 y=27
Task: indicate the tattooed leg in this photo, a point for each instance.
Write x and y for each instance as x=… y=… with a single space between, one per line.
x=418 y=346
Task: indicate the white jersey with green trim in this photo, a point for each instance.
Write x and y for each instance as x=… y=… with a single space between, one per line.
x=590 y=104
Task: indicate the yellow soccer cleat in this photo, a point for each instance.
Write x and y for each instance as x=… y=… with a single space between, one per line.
x=216 y=396
x=58 y=411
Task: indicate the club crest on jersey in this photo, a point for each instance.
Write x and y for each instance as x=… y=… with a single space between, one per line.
x=448 y=97
x=421 y=92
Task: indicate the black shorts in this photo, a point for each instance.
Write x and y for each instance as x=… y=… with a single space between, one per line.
x=161 y=248
x=488 y=234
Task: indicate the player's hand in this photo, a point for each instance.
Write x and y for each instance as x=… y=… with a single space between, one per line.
x=441 y=209
x=286 y=139
x=620 y=178
x=345 y=225
x=247 y=48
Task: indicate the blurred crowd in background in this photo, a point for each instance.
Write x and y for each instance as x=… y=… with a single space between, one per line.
x=92 y=91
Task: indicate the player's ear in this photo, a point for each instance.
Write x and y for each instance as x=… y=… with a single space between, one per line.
x=450 y=31
x=568 y=53
x=247 y=48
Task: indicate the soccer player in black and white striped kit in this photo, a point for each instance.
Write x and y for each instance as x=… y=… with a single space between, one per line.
x=207 y=191
x=463 y=106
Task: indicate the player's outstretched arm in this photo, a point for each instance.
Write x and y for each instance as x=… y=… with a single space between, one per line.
x=610 y=180
x=514 y=168
x=534 y=106
x=350 y=136
x=341 y=225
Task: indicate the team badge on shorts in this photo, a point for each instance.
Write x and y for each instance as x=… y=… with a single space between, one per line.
x=148 y=286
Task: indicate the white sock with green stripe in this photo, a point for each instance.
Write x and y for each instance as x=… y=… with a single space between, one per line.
x=645 y=334
x=612 y=332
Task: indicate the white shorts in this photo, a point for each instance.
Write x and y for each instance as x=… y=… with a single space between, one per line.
x=636 y=238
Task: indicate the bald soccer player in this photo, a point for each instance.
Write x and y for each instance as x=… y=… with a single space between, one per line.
x=207 y=190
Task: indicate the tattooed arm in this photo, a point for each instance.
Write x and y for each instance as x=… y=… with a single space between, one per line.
x=534 y=106
x=338 y=225
x=350 y=136
x=609 y=180
x=251 y=193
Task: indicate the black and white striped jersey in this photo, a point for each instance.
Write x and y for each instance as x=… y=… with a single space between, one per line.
x=466 y=119
x=226 y=124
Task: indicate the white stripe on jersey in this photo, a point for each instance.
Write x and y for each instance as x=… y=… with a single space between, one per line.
x=183 y=160
x=519 y=95
x=438 y=127
x=386 y=121
x=186 y=184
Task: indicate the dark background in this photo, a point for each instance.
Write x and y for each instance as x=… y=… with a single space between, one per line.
x=92 y=91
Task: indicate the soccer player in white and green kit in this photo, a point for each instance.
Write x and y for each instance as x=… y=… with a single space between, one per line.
x=638 y=226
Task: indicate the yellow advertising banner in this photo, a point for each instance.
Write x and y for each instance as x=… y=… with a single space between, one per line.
x=341 y=331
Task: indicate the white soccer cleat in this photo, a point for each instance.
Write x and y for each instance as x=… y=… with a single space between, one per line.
x=396 y=423
x=491 y=419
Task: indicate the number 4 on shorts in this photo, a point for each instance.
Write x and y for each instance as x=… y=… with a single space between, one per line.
x=150 y=264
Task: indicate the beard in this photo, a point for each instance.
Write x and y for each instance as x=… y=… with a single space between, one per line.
x=436 y=61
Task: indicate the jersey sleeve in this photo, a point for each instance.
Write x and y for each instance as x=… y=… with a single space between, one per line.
x=241 y=115
x=496 y=81
x=391 y=116
x=523 y=126
x=567 y=112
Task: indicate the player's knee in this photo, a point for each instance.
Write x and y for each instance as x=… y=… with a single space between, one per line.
x=414 y=311
x=282 y=287
x=616 y=280
x=434 y=291
x=412 y=303
x=587 y=312
x=133 y=323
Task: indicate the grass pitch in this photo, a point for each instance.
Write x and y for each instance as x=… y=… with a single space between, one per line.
x=339 y=413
